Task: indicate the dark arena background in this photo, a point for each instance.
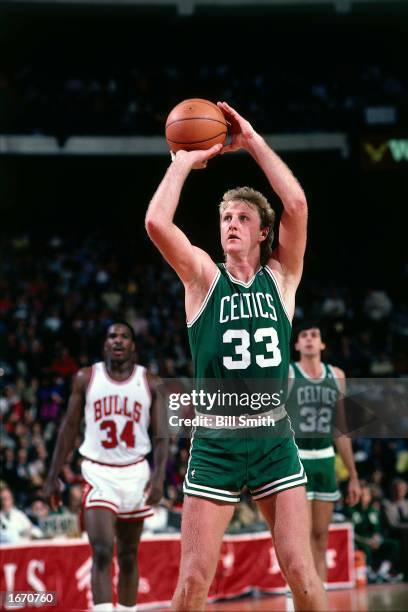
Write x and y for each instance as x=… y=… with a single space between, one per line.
x=85 y=88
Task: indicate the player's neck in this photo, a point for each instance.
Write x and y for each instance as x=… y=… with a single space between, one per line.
x=244 y=268
x=312 y=365
x=119 y=371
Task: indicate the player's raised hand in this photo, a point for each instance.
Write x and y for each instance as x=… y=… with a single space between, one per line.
x=198 y=159
x=240 y=129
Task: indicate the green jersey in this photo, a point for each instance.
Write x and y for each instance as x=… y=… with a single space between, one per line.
x=311 y=407
x=242 y=332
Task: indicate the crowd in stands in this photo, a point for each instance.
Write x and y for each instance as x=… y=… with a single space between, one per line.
x=57 y=298
x=135 y=99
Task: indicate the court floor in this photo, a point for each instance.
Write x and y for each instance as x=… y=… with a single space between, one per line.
x=368 y=599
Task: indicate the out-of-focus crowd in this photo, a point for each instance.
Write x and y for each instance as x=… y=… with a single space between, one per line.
x=56 y=298
x=135 y=99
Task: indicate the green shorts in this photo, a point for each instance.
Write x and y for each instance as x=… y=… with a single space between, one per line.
x=321 y=479
x=220 y=467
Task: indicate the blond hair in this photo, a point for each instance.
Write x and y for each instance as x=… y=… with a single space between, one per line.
x=256 y=200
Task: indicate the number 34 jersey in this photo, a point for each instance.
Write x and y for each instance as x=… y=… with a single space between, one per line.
x=312 y=407
x=117 y=417
x=242 y=331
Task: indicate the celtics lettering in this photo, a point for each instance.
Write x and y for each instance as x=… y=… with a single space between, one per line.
x=246 y=306
x=312 y=395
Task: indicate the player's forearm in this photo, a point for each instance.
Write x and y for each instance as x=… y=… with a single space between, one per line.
x=345 y=449
x=164 y=203
x=65 y=444
x=160 y=454
x=280 y=177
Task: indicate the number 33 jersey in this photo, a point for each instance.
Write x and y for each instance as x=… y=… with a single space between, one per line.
x=242 y=331
x=117 y=417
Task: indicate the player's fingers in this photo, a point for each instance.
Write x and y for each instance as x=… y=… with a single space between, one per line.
x=229 y=109
x=214 y=150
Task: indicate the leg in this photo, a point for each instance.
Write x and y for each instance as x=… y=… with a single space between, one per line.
x=288 y=518
x=128 y=538
x=100 y=525
x=390 y=550
x=202 y=528
x=321 y=513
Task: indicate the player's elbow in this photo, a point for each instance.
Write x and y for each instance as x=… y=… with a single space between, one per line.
x=153 y=227
x=297 y=207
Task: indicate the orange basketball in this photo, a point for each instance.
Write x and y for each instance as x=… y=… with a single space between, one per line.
x=195 y=124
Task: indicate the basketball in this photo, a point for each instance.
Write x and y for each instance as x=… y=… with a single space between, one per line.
x=195 y=124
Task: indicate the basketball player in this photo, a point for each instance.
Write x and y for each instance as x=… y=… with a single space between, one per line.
x=239 y=324
x=120 y=402
x=315 y=406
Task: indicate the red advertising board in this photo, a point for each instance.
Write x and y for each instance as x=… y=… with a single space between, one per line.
x=247 y=562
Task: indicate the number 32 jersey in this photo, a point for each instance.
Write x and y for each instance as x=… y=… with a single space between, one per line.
x=312 y=408
x=242 y=331
x=117 y=417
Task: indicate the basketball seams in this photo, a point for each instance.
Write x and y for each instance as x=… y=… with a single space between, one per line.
x=195 y=119
x=194 y=141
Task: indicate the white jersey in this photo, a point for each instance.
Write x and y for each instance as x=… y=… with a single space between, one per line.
x=117 y=417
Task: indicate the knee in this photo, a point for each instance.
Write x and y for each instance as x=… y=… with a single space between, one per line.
x=102 y=554
x=300 y=575
x=320 y=539
x=127 y=561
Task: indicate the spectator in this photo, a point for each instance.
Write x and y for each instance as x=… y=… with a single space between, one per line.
x=382 y=553
x=334 y=306
x=396 y=514
x=64 y=365
x=74 y=504
x=8 y=463
x=38 y=511
x=15 y=525
x=377 y=305
x=396 y=510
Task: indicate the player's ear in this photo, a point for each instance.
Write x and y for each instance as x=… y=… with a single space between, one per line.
x=322 y=346
x=297 y=346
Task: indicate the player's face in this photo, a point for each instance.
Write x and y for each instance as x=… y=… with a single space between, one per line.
x=240 y=229
x=309 y=342
x=119 y=346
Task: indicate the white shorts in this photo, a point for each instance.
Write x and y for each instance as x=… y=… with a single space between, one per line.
x=119 y=489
